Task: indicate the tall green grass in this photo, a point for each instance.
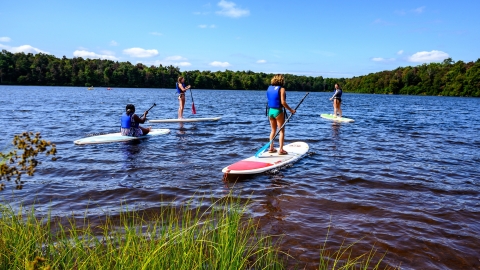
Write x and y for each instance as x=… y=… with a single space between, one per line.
x=185 y=238
x=172 y=237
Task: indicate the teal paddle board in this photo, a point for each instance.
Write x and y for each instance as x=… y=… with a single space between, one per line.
x=333 y=118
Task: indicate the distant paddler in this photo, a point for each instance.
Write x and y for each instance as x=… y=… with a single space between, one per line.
x=337 y=101
x=181 y=89
x=130 y=122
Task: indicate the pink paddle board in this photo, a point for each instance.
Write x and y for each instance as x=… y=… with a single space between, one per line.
x=268 y=161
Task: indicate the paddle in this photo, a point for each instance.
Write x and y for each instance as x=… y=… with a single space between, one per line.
x=193 y=104
x=259 y=152
x=149 y=109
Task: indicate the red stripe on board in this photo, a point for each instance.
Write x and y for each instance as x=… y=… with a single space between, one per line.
x=248 y=165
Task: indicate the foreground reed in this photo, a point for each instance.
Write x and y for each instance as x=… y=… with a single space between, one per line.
x=219 y=237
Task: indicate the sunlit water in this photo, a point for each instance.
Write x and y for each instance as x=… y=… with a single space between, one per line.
x=403 y=177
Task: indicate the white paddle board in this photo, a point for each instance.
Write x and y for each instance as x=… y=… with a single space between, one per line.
x=185 y=120
x=117 y=137
x=268 y=161
x=339 y=119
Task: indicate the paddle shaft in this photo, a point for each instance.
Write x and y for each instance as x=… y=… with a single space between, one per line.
x=194 y=111
x=191 y=95
x=288 y=119
x=149 y=109
x=278 y=132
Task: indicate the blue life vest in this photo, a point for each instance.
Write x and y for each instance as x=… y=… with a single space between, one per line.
x=127 y=121
x=337 y=94
x=179 y=91
x=273 y=96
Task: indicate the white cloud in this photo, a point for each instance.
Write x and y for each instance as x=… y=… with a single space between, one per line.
x=106 y=52
x=176 y=60
x=419 y=10
x=228 y=9
x=156 y=34
x=5 y=39
x=400 y=52
x=23 y=48
x=427 y=57
x=262 y=61
x=381 y=59
x=201 y=13
x=220 y=64
x=382 y=22
x=113 y=43
x=92 y=55
x=140 y=53
x=207 y=26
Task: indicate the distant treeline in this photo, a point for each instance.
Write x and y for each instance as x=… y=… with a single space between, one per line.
x=448 y=78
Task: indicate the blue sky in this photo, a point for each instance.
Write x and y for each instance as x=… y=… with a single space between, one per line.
x=313 y=38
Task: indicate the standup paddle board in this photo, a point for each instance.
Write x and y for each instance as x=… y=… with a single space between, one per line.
x=185 y=120
x=117 y=137
x=339 y=119
x=268 y=161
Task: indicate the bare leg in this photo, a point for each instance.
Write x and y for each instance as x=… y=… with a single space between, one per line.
x=273 y=125
x=181 y=105
x=336 y=105
x=280 y=120
x=145 y=130
x=334 y=108
x=339 y=108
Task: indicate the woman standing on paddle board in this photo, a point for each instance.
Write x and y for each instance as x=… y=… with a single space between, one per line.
x=277 y=103
x=130 y=123
x=181 y=89
x=337 y=101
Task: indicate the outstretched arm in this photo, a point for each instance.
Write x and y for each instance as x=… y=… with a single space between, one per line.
x=284 y=100
x=334 y=94
x=142 y=119
x=183 y=89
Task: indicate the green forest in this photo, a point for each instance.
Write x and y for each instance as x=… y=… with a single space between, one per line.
x=447 y=78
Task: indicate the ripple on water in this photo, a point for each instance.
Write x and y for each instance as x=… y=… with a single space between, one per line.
x=403 y=177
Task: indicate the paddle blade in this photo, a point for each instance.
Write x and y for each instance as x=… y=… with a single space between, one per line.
x=259 y=152
x=193 y=108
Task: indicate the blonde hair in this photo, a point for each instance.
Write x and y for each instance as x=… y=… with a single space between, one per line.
x=180 y=79
x=278 y=80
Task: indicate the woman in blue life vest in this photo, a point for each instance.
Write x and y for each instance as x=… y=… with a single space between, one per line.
x=130 y=123
x=277 y=103
x=337 y=101
x=181 y=89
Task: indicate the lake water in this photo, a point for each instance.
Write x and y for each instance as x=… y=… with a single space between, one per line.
x=404 y=176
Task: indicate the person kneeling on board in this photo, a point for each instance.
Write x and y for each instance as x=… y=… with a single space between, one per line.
x=130 y=123
x=277 y=103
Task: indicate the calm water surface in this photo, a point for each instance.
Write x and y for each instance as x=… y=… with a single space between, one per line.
x=404 y=177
